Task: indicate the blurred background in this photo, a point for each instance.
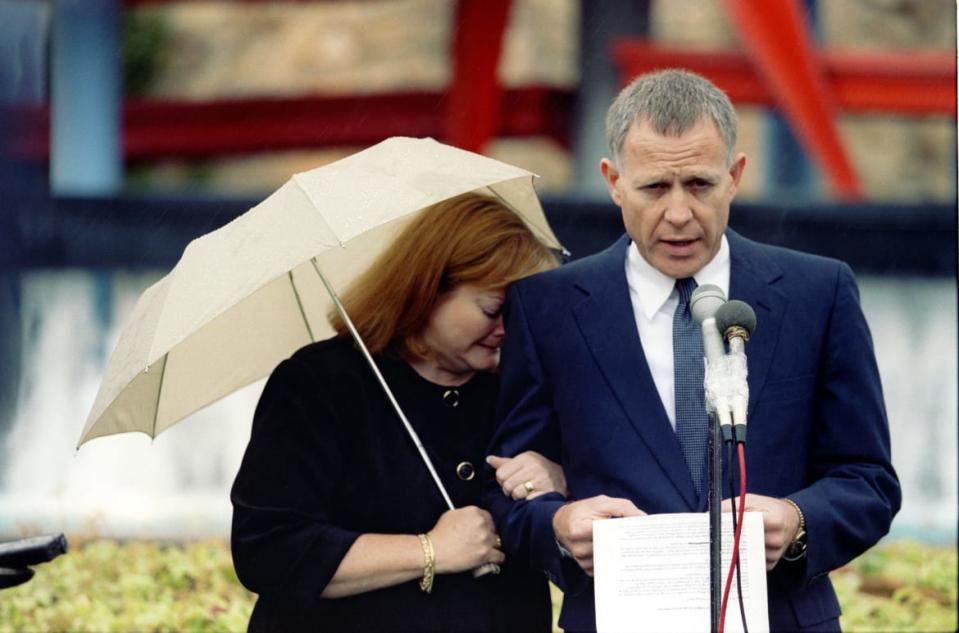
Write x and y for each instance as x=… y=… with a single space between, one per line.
x=130 y=127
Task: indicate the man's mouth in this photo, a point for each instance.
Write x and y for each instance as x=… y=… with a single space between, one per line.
x=680 y=243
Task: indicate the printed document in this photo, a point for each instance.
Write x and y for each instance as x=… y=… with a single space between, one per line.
x=652 y=573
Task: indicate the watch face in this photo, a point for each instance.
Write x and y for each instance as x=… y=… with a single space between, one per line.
x=796 y=549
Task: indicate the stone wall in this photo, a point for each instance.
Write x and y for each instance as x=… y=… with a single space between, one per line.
x=222 y=49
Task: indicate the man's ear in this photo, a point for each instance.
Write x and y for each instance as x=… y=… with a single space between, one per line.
x=611 y=175
x=736 y=171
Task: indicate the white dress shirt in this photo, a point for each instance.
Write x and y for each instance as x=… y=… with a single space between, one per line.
x=654 y=298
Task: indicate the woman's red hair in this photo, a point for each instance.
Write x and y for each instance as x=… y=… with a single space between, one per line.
x=469 y=239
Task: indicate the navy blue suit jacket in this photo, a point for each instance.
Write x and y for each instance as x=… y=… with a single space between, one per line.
x=576 y=387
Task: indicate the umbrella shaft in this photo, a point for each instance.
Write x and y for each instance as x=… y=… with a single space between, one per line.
x=386 y=388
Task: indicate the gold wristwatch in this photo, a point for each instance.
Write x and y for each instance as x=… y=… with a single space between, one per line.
x=797 y=547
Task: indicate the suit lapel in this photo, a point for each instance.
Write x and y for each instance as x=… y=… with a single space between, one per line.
x=752 y=275
x=605 y=318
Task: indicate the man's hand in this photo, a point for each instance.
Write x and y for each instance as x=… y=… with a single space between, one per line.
x=528 y=475
x=573 y=524
x=780 y=524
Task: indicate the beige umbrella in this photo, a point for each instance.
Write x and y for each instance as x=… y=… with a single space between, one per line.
x=246 y=296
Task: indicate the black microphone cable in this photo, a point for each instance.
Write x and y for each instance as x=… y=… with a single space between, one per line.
x=736 y=321
x=740 y=459
x=734 y=565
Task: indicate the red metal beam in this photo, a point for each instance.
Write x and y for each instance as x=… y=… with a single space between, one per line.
x=910 y=82
x=777 y=36
x=184 y=129
x=901 y=82
x=475 y=95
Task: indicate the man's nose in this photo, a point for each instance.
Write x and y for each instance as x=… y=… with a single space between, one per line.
x=678 y=210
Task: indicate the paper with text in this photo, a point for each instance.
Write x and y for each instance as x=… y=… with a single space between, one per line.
x=652 y=573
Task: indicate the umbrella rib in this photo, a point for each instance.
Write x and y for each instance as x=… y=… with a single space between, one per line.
x=535 y=229
x=386 y=388
x=299 y=304
x=156 y=409
x=307 y=193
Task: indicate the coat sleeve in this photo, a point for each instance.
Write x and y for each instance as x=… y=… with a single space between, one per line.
x=853 y=492
x=526 y=421
x=283 y=537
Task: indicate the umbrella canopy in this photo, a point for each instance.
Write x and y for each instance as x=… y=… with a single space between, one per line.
x=246 y=296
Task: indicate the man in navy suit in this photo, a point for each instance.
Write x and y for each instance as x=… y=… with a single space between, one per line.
x=587 y=371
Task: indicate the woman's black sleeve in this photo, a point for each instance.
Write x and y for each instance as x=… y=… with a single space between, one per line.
x=284 y=538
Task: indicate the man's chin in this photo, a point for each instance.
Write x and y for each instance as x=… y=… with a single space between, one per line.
x=681 y=267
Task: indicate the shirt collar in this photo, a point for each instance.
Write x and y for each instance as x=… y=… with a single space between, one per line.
x=653 y=288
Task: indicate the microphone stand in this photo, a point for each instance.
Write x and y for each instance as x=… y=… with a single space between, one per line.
x=715 y=542
x=736 y=320
x=705 y=303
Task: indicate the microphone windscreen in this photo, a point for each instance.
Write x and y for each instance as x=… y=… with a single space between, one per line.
x=735 y=312
x=705 y=300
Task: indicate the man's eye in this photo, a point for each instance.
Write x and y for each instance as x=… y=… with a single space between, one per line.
x=493 y=314
x=699 y=183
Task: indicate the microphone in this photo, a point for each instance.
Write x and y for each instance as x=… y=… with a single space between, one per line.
x=704 y=303
x=737 y=321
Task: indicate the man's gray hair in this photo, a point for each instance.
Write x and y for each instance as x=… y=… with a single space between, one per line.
x=672 y=102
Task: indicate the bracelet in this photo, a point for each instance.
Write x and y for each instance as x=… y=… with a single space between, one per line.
x=797 y=548
x=802 y=518
x=429 y=563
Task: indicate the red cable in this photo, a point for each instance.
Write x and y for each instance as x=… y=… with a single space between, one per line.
x=739 y=531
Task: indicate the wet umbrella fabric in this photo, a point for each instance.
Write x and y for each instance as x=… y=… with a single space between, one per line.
x=246 y=296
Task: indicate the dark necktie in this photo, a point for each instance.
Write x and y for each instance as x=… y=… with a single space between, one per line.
x=692 y=424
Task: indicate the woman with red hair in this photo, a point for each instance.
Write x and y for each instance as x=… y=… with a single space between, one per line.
x=337 y=523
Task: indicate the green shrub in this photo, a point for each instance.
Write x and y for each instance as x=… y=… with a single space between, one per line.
x=134 y=586
x=900 y=586
x=107 y=585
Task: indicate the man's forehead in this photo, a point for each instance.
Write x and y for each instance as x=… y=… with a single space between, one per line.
x=651 y=173
x=700 y=146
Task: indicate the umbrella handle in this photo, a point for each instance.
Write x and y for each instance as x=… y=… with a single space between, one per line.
x=486 y=568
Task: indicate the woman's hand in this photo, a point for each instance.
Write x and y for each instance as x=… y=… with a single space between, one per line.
x=528 y=475
x=463 y=539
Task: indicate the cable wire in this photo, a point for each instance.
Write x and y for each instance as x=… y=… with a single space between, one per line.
x=734 y=558
x=739 y=580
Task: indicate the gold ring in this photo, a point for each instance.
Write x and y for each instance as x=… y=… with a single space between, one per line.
x=529 y=487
